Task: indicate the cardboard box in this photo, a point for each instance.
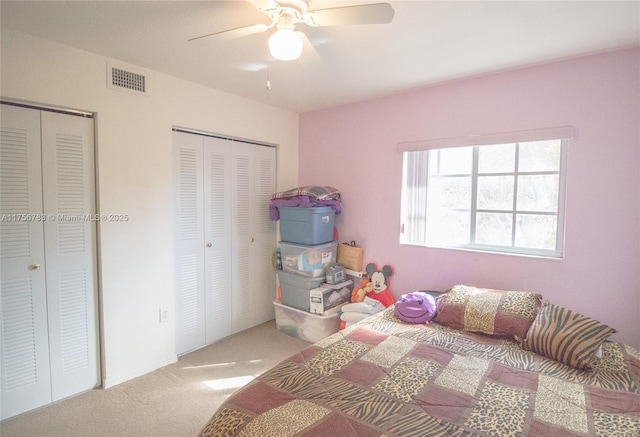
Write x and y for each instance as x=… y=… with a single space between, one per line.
x=327 y=299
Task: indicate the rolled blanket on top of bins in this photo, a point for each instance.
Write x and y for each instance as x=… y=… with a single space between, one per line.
x=305 y=197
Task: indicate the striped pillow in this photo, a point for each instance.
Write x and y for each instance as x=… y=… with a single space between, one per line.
x=566 y=336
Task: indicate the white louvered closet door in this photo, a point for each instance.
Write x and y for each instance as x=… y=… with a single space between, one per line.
x=225 y=282
x=70 y=261
x=189 y=241
x=253 y=236
x=217 y=238
x=24 y=352
x=243 y=306
x=49 y=287
x=265 y=231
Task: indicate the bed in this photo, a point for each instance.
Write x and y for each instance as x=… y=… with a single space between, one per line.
x=384 y=377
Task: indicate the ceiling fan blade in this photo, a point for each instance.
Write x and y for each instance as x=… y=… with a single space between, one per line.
x=310 y=58
x=238 y=32
x=376 y=13
x=263 y=4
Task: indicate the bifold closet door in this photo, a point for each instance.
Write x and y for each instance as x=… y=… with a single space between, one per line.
x=202 y=187
x=24 y=351
x=217 y=238
x=189 y=241
x=48 y=247
x=70 y=252
x=265 y=170
x=225 y=282
x=253 y=235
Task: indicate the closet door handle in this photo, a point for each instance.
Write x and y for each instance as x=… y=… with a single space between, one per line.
x=251 y=239
x=35 y=266
x=209 y=244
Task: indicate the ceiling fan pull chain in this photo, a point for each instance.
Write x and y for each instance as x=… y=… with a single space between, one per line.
x=268 y=84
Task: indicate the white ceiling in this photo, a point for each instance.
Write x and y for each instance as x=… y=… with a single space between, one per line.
x=428 y=42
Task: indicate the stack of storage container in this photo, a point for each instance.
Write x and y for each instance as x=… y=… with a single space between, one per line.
x=307 y=248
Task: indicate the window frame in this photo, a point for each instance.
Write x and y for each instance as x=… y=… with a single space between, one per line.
x=513 y=249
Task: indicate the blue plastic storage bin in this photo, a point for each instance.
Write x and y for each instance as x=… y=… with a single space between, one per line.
x=295 y=289
x=309 y=226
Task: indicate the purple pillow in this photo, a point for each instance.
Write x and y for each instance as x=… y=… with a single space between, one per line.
x=415 y=307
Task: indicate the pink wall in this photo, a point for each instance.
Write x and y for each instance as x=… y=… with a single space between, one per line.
x=353 y=148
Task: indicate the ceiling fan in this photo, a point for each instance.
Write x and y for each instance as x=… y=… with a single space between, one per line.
x=285 y=43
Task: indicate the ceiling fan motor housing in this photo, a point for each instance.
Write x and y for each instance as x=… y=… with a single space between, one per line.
x=299 y=6
x=289 y=12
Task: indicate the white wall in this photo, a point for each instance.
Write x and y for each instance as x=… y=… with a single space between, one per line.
x=135 y=178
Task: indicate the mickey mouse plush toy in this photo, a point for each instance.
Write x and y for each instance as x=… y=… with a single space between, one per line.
x=379 y=284
x=373 y=296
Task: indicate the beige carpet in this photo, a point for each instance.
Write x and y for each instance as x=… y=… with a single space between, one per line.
x=175 y=400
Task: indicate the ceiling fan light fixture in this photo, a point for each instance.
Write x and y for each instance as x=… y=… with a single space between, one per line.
x=285 y=44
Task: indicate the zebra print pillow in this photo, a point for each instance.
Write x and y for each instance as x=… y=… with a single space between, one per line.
x=566 y=336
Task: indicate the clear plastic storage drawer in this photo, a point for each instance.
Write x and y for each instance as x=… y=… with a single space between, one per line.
x=308 y=261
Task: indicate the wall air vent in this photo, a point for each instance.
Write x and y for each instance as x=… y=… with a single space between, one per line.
x=122 y=78
x=127 y=79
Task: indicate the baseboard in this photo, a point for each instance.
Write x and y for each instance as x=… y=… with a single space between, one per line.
x=110 y=382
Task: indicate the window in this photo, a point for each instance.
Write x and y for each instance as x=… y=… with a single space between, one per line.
x=500 y=198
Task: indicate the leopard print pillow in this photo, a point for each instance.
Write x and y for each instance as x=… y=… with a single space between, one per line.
x=494 y=312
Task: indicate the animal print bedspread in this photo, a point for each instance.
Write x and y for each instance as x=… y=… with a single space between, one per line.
x=386 y=378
